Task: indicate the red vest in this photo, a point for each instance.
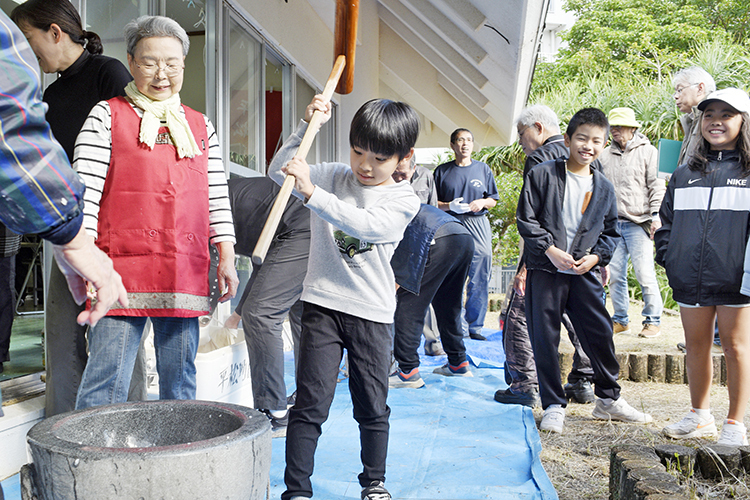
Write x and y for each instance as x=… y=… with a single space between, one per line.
x=153 y=218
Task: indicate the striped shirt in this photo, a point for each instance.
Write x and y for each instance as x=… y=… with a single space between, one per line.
x=39 y=193
x=91 y=159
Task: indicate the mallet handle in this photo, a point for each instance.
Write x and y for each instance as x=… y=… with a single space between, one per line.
x=277 y=210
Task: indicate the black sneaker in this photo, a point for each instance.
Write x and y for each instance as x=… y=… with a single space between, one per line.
x=291 y=399
x=581 y=392
x=508 y=397
x=477 y=336
x=278 y=425
x=376 y=491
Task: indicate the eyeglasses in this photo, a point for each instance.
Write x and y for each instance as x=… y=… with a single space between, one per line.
x=679 y=90
x=151 y=70
x=520 y=134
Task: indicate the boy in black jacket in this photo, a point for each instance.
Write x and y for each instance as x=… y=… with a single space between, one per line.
x=567 y=216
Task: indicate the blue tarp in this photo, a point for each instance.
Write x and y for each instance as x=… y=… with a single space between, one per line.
x=449 y=440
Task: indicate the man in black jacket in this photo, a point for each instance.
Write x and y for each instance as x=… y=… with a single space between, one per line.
x=540 y=138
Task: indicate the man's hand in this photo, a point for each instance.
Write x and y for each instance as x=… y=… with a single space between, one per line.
x=605 y=275
x=227 y=275
x=480 y=204
x=83 y=264
x=519 y=283
x=299 y=168
x=560 y=259
x=655 y=225
x=458 y=207
x=584 y=264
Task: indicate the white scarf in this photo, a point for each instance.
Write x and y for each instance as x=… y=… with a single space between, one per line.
x=168 y=110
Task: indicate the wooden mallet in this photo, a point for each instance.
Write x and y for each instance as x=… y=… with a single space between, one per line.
x=345 y=37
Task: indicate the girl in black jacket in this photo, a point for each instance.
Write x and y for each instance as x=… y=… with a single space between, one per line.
x=701 y=244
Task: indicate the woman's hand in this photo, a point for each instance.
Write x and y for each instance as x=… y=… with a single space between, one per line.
x=227 y=275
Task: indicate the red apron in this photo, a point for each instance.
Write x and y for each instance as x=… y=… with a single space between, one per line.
x=153 y=218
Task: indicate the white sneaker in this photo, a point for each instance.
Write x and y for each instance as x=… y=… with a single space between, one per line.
x=619 y=410
x=553 y=419
x=733 y=434
x=692 y=426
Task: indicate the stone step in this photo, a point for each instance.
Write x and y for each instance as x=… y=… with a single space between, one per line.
x=645 y=367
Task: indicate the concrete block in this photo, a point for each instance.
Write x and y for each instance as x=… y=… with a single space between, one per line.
x=657 y=367
x=638 y=363
x=716 y=359
x=566 y=364
x=622 y=360
x=717 y=461
x=675 y=368
x=676 y=457
x=745 y=457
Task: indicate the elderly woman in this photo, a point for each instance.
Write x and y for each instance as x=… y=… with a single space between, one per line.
x=156 y=194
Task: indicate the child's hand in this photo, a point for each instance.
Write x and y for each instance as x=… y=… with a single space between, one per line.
x=319 y=103
x=301 y=172
x=561 y=260
x=584 y=264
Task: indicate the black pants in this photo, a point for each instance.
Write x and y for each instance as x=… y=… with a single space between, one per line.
x=7 y=303
x=325 y=335
x=442 y=285
x=548 y=295
x=269 y=294
x=519 y=356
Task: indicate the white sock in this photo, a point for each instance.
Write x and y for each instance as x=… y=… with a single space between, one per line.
x=704 y=414
x=740 y=426
x=607 y=401
x=554 y=406
x=278 y=413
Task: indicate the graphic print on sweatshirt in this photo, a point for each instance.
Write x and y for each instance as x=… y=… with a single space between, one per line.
x=349 y=245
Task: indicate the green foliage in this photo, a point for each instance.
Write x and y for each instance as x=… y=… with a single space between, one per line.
x=624 y=53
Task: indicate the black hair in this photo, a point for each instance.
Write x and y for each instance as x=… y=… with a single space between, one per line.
x=588 y=116
x=42 y=14
x=455 y=133
x=699 y=159
x=385 y=127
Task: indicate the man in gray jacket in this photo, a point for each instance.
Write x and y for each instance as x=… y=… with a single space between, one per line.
x=630 y=162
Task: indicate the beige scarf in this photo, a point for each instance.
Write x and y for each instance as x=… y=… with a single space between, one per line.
x=169 y=110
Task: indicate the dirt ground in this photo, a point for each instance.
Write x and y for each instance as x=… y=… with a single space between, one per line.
x=577 y=461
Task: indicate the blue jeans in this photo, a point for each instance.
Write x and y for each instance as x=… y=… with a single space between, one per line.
x=478 y=286
x=638 y=245
x=113 y=345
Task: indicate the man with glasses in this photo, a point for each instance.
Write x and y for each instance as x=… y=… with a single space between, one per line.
x=691 y=86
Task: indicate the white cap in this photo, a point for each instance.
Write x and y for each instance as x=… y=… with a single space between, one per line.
x=736 y=98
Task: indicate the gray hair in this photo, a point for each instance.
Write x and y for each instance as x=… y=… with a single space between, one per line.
x=539 y=113
x=153 y=26
x=694 y=75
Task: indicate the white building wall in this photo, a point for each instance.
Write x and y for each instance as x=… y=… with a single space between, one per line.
x=300 y=34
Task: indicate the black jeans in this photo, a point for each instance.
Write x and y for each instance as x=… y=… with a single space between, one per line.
x=325 y=335
x=519 y=356
x=442 y=286
x=548 y=295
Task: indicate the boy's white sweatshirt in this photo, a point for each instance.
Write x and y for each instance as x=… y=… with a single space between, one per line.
x=373 y=220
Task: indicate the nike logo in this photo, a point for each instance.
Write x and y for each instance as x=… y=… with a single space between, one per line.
x=693 y=180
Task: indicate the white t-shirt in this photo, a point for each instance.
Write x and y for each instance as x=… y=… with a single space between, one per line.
x=578 y=188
